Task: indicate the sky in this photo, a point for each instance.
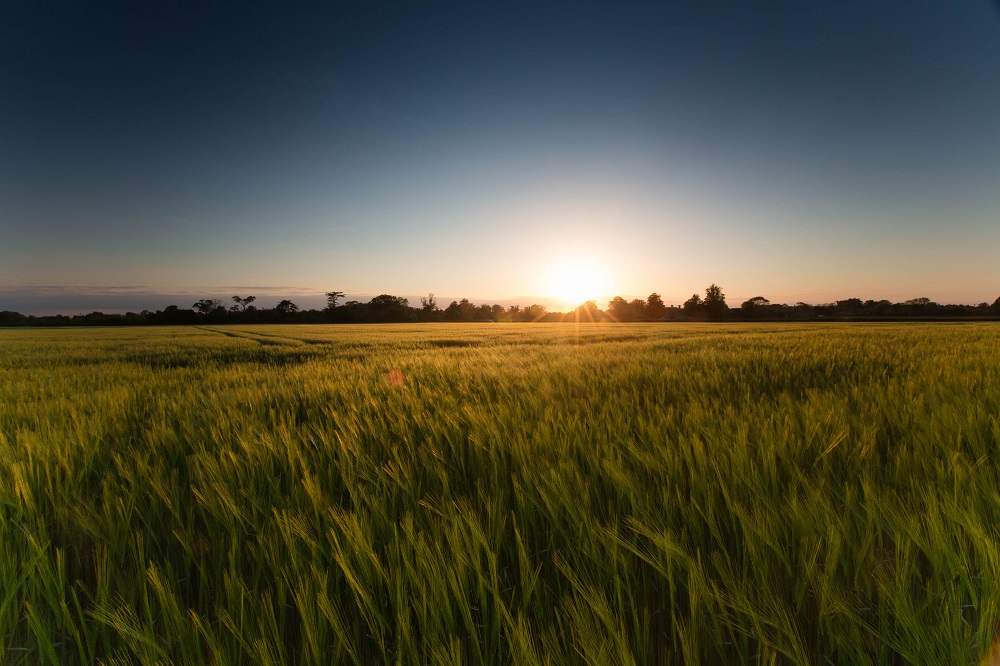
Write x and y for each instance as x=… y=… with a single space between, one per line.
x=162 y=152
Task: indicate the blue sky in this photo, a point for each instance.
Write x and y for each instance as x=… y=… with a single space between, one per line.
x=153 y=153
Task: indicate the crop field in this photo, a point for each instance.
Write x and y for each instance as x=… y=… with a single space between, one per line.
x=500 y=494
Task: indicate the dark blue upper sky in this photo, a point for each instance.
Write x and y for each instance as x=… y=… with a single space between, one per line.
x=799 y=150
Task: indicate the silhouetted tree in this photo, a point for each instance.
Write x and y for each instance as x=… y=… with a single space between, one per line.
x=877 y=308
x=655 y=309
x=802 y=309
x=715 y=302
x=755 y=307
x=386 y=308
x=588 y=312
x=286 y=307
x=331 y=299
x=172 y=314
x=694 y=307
x=620 y=309
x=755 y=302
x=920 y=306
x=533 y=312
x=849 y=307
x=208 y=306
x=242 y=303
x=496 y=312
x=462 y=310
x=428 y=303
x=351 y=311
x=638 y=308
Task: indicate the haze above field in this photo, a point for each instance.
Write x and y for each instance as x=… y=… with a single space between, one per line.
x=801 y=151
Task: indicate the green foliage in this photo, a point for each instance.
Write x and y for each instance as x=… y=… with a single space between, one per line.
x=520 y=494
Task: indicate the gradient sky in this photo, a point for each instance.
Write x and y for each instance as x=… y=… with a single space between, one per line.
x=155 y=153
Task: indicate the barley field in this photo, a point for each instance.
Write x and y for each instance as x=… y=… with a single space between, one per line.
x=500 y=494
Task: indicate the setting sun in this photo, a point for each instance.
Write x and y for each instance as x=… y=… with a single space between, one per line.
x=577 y=280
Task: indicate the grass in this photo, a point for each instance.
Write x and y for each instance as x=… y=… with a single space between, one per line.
x=491 y=494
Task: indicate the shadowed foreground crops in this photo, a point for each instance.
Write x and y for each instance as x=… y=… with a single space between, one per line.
x=491 y=494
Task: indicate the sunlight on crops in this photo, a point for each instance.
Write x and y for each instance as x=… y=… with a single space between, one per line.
x=520 y=494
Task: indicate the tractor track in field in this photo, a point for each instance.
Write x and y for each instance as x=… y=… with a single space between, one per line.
x=265 y=339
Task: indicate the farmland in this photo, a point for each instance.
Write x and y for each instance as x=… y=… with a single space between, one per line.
x=500 y=494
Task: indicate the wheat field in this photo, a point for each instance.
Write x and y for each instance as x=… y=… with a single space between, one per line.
x=500 y=494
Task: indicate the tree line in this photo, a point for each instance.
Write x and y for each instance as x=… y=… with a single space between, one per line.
x=386 y=308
